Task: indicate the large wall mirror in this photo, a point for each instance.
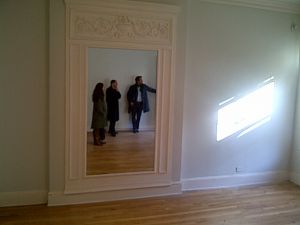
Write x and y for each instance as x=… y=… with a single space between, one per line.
x=118 y=41
x=124 y=151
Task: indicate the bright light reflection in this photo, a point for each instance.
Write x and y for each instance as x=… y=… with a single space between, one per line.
x=253 y=109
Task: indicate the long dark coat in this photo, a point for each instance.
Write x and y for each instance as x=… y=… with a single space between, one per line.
x=132 y=95
x=112 y=101
x=99 y=114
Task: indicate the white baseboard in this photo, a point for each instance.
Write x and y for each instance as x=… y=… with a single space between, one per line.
x=202 y=183
x=295 y=178
x=23 y=198
x=59 y=198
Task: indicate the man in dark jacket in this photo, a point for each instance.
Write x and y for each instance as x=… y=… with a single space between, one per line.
x=138 y=101
x=112 y=101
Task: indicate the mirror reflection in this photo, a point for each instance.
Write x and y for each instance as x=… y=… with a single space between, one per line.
x=121 y=110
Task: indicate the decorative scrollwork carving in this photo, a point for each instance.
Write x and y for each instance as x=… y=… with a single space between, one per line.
x=120 y=27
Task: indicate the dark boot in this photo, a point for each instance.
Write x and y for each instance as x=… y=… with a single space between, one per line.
x=96 y=137
x=101 y=136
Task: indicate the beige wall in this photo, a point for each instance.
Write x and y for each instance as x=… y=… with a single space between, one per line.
x=24 y=96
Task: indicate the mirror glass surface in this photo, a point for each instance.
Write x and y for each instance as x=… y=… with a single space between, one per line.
x=127 y=151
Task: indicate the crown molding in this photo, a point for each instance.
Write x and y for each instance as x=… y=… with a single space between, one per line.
x=271 y=5
x=127 y=5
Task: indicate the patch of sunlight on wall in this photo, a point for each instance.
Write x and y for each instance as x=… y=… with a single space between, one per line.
x=247 y=113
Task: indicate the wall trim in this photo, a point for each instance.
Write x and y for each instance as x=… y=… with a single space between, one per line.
x=19 y=198
x=128 y=5
x=59 y=198
x=271 y=5
x=200 y=183
x=295 y=178
x=212 y=182
x=104 y=24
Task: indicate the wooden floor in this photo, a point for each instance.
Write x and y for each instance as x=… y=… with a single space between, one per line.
x=127 y=152
x=261 y=205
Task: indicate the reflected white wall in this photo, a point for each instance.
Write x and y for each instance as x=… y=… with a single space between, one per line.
x=122 y=65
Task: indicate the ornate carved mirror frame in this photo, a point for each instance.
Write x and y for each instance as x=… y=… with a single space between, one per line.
x=125 y=25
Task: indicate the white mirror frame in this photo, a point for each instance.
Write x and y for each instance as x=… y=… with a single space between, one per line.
x=125 y=25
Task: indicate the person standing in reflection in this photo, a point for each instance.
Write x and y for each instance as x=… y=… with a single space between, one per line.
x=112 y=100
x=137 y=98
x=99 y=115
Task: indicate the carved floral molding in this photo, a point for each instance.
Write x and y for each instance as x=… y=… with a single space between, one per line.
x=120 y=27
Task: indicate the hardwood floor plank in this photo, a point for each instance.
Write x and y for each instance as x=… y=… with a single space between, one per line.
x=277 y=204
x=127 y=152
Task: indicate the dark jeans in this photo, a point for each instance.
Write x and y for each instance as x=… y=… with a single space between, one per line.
x=102 y=133
x=112 y=125
x=136 y=113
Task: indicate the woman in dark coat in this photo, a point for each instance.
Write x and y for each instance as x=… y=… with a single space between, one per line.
x=99 y=115
x=112 y=100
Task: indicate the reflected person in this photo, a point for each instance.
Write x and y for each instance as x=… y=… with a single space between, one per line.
x=137 y=98
x=99 y=115
x=112 y=100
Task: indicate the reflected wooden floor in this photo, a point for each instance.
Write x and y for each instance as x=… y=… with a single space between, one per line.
x=127 y=152
x=260 y=205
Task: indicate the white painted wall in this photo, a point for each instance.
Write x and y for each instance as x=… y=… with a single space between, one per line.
x=123 y=65
x=24 y=99
x=295 y=159
x=230 y=50
x=57 y=85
